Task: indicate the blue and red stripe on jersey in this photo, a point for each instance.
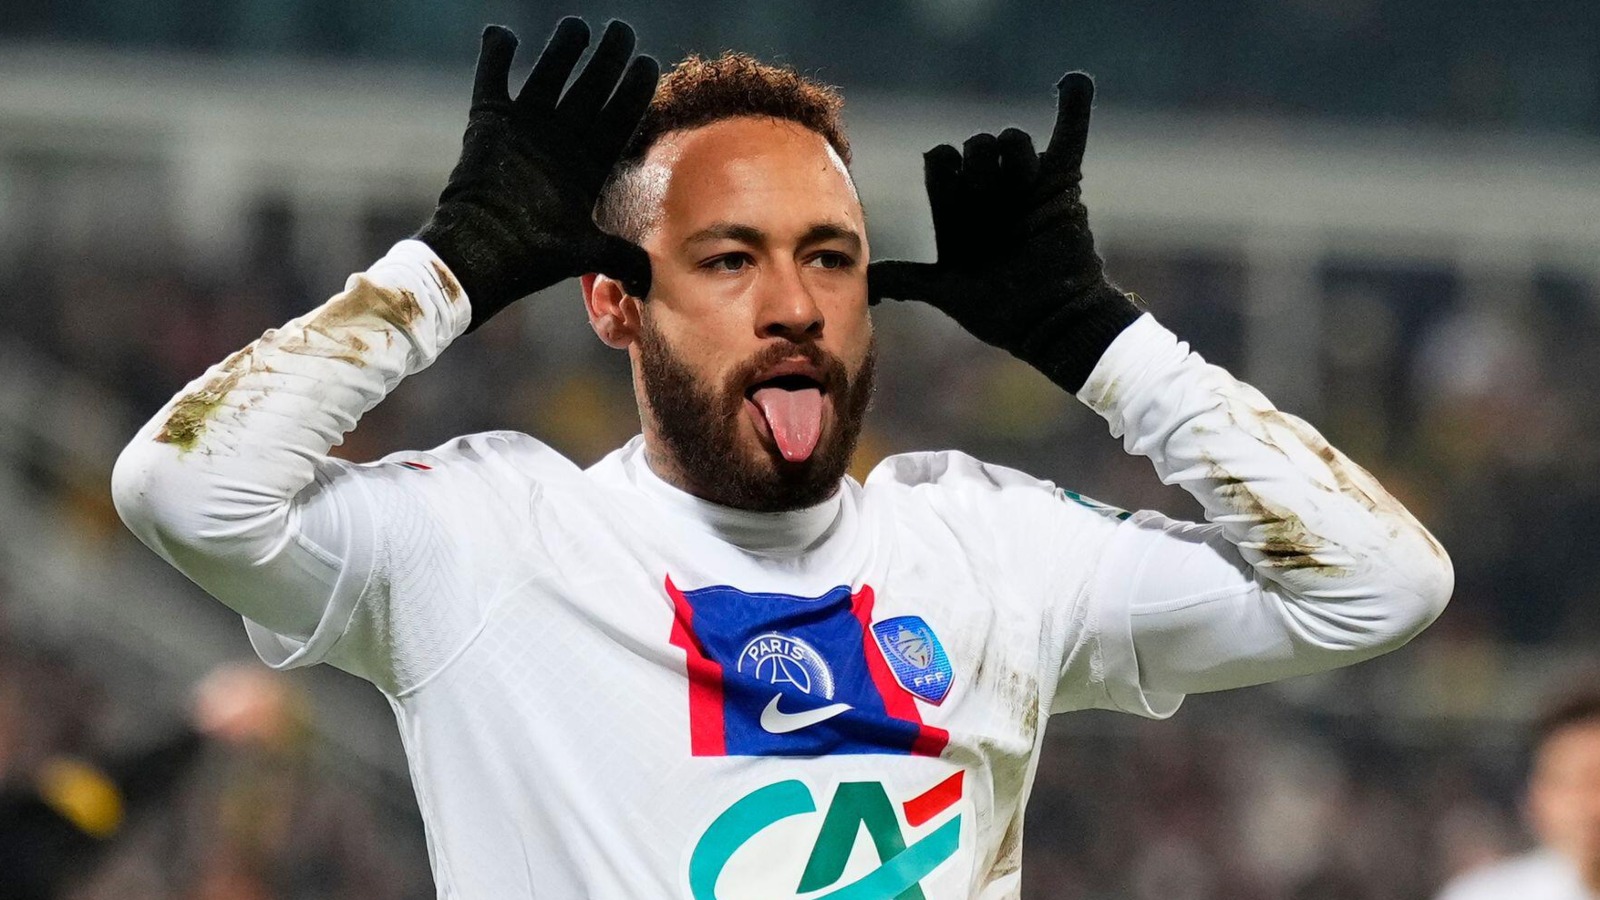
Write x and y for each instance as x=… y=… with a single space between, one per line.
x=714 y=625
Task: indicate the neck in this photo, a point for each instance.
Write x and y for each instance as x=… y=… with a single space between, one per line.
x=793 y=531
x=666 y=467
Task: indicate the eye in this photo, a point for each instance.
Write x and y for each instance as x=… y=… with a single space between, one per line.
x=831 y=259
x=727 y=262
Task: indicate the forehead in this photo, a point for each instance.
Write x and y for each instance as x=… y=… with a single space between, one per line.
x=768 y=172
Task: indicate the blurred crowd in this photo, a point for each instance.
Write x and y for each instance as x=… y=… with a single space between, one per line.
x=1242 y=799
x=1478 y=63
x=222 y=795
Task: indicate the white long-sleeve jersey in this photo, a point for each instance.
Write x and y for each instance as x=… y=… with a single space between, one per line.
x=609 y=688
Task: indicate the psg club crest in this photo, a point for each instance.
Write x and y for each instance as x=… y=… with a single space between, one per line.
x=779 y=659
x=773 y=674
x=915 y=656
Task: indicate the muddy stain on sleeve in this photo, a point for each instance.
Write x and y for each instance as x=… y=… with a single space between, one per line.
x=1283 y=538
x=189 y=415
x=366 y=300
x=1286 y=542
x=348 y=347
x=334 y=332
x=1108 y=396
x=193 y=410
x=452 y=288
x=1353 y=481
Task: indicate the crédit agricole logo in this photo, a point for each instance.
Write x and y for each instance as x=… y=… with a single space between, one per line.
x=778 y=842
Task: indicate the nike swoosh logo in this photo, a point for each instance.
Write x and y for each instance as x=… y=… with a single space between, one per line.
x=776 y=721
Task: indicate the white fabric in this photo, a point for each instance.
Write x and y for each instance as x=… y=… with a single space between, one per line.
x=1541 y=875
x=515 y=608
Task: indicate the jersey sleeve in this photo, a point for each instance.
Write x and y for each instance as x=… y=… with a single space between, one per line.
x=230 y=482
x=1305 y=563
x=422 y=545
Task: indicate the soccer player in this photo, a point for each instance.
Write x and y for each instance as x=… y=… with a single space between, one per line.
x=1563 y=806
x=712 y=665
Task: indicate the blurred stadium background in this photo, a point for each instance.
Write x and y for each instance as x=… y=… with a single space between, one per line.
x=1384 y=213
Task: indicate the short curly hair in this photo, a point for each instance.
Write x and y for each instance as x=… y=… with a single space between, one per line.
x=701 y=91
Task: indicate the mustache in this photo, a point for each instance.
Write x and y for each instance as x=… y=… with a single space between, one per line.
x=831 y=370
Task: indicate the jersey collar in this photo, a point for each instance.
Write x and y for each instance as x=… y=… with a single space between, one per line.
x=795 y=531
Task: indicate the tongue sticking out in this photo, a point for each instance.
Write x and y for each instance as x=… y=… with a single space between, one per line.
x=795 y=418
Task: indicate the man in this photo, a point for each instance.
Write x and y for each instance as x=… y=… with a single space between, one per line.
x=1563 y=807
x=711 y=665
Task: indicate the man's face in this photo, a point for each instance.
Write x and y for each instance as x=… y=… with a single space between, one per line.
x=754 y=357
x=1564 y=795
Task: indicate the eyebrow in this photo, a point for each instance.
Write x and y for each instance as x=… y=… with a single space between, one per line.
x=749 y=234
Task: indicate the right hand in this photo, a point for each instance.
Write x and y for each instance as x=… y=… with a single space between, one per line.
x=517 y=214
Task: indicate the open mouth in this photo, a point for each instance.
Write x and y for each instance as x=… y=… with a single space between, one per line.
x=788 y=409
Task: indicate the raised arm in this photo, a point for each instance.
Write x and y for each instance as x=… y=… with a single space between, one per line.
x=222 y=482
x=230 y=481
x=1309 y=564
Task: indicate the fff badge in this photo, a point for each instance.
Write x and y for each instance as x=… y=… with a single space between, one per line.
x=915 y=656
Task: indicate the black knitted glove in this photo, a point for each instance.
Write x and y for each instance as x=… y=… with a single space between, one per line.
x=1017 y=266
x=517 y=214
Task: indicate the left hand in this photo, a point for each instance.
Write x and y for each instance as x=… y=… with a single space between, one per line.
x=1017 y=266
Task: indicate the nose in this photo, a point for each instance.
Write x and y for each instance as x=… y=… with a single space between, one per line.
x=786 y=308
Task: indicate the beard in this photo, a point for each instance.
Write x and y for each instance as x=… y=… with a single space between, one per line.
x=699 y=424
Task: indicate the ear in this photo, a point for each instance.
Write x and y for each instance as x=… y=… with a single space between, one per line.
x=613 y=314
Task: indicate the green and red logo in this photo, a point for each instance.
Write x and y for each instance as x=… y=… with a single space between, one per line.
x=750 y=849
